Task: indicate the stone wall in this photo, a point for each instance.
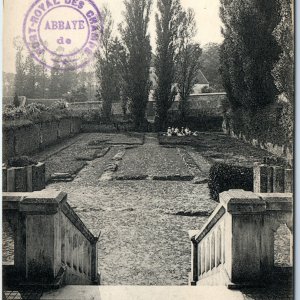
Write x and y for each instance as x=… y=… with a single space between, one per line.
x=46 y=102
x=207 y=103
x=198 y=103
x=278 y=150
x=85 y=105
x=30 y=138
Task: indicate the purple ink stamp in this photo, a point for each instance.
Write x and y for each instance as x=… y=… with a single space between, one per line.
x=62 y=34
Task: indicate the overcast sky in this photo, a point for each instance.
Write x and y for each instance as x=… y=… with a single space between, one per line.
x=207 y=17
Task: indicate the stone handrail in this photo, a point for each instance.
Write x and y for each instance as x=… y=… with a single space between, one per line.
x=242 y=221
x=48 y=237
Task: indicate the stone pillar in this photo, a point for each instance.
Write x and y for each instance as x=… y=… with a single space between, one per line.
x=288 y=181
x=20 y=245
x=278 y=179
x=20 y=179
x=195 y=262
x=260 y=178
x=4 y=179
x=11 y=180
x=43 y=241
x=245 y=220
x=94 y=262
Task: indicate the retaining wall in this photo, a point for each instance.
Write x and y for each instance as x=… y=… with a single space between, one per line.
x=279 y=150
x=30 y=138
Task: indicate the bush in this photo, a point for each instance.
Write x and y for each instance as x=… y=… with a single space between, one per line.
x=16 y=101
x=21 y=161
x=267 y=125
x=223 y=177
x=91 y=116
x=37 y=112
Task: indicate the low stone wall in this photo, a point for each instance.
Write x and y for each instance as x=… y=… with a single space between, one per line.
x=278 y=150
x=206 y=103
x=30 y=138
x=85 y=105
x=46 y=102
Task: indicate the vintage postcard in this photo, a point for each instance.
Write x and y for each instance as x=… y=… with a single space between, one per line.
x=148 y=149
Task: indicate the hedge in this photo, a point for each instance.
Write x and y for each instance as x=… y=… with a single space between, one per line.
x=223 y=177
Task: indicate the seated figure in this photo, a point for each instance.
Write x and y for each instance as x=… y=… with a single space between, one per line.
x=173 y=131
x=169 y=131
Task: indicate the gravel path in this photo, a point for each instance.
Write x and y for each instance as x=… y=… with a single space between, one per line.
x=144 y=223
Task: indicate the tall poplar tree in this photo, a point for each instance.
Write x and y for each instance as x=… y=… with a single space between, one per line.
x=20 y=67
x=136 y=40
x=249 y=51
x=167 y=22
x=187 y=60
x=108 y=67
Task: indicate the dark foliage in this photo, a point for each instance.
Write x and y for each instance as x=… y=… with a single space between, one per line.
x=16 y=101
x=187 y=60
x=202 y=122
x=136 y=41
x=249 y=51
x=223 y=177
x=206 y=89
x=21 y=161
x=167 y=23
x=210 y=66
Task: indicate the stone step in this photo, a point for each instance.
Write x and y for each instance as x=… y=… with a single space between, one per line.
x=76 y=292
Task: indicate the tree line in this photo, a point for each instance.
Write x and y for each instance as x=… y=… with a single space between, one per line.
x=123 y=63
x=34 y=80
x=257 y=64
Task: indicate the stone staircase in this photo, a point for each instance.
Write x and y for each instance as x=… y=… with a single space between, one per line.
x=143 y=293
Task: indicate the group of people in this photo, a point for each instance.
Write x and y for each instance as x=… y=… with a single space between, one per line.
x=177 y=132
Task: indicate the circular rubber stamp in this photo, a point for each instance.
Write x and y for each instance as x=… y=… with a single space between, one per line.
x=62 y=34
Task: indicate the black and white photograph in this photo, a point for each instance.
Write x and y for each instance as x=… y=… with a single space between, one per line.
x=148 y=149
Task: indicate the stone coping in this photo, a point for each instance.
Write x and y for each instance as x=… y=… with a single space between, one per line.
x=76 y=221
x=39 y=202
x=240 y=202
x=278 y=201
x=45 y=202
x=211 y=222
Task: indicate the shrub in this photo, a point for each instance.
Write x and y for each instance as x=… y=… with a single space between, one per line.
x=21 y=161
x=37 y=112
x=16 y=101
x=91 y=116
x=223 y=177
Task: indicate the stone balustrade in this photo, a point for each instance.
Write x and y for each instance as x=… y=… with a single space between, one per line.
x=269 y=178
x=236 y=244
x=24 y=179
x=51 y=243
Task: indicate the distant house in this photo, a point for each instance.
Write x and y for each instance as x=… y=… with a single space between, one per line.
x=201 y=83
x=197 y=89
